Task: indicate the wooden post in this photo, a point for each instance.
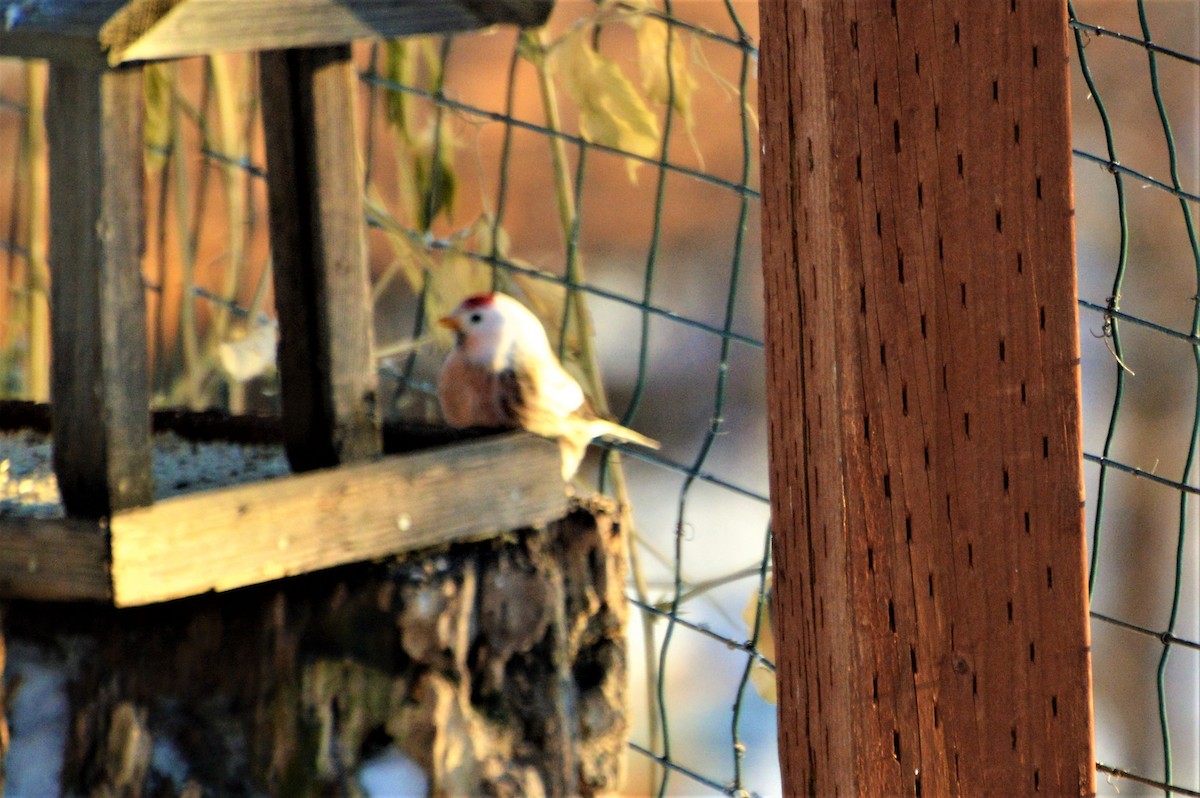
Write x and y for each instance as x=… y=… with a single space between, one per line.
x=923 y=369
x=327 y=370
x=99 y=378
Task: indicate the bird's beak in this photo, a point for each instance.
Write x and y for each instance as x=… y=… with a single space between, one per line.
x=450 y=323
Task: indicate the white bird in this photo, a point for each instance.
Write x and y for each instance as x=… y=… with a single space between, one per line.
x=502 y=372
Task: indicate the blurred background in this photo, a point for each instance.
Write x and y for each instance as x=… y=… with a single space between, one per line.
x=1138 y=284
x=614 y=153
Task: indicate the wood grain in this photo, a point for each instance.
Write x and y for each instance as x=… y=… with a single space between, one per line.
x=53 y=560
x=100 y=388
x=255 y=533
x=923 y=367
x=322 y=289
x=65 y=30
x=99 y=32
x=201 y=26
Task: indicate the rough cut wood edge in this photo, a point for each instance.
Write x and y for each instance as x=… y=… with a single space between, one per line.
x=255 y=533
x=53 y=560
x=923 y=369
x=100 y=386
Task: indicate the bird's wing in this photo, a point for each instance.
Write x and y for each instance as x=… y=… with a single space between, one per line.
x=514 y=392
x=553 y=404
x=538 y=401
x=560 y=393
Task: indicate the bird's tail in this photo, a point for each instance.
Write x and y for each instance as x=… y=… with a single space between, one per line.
x=603 y=428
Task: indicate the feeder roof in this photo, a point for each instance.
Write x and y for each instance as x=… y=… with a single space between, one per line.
x=114 y=32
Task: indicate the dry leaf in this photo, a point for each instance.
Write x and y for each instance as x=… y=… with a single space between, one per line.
x=157 y=129
x=762 y=677
x=611 y=112
x=677 y=87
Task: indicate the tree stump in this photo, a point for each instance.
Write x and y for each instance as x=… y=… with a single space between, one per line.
x=499 y=667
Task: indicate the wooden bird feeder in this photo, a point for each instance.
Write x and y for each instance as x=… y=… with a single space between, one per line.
x=115 y=543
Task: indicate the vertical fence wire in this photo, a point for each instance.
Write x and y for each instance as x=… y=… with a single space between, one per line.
x=1121 y=455
x=671 y=607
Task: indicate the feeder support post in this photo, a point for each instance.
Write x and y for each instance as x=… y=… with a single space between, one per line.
x=318 y=245
x=100 y=389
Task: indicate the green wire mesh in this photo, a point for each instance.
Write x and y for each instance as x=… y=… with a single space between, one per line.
x=678 y=317
x=1137 y=73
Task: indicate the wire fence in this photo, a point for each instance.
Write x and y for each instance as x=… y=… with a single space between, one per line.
x=573 y=168
x=605 y=170
x=653 y=226
x=1136 y=119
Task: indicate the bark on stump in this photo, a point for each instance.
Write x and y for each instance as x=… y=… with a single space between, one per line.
x=500 y=667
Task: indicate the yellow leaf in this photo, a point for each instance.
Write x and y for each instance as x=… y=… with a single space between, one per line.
x=413 y=61
x=397 y=69
x=158 y=130
x=611 y=112
x=762 y=677
x=677 y=87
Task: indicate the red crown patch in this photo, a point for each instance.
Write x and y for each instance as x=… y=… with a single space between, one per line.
x=479 y=301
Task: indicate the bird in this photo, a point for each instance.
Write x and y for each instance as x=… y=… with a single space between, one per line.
x=502 y=372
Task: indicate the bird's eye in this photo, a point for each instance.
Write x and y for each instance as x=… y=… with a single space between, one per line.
x=475 y=318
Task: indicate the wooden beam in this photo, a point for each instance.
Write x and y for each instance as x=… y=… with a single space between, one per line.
x=65 y=30
x=322 y=293
x=100 y=388
x=53 y=560
x=144 y=31
x=122 y=31
x=923 y=368
x=224 y=539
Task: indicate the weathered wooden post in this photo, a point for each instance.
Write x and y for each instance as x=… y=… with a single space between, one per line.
x=923 y=368
x=318 y=246
x=100 y=383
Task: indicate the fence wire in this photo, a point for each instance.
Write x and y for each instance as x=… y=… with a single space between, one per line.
x=1136 y=116
x=669 y=280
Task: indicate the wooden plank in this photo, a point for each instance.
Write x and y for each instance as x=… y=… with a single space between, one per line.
x=53 y=560
x=66 y=30
x=201 y=26
x=322 y=292
x=155 y=29
x=255 y=533
x=100 y=388
x=923 y=368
